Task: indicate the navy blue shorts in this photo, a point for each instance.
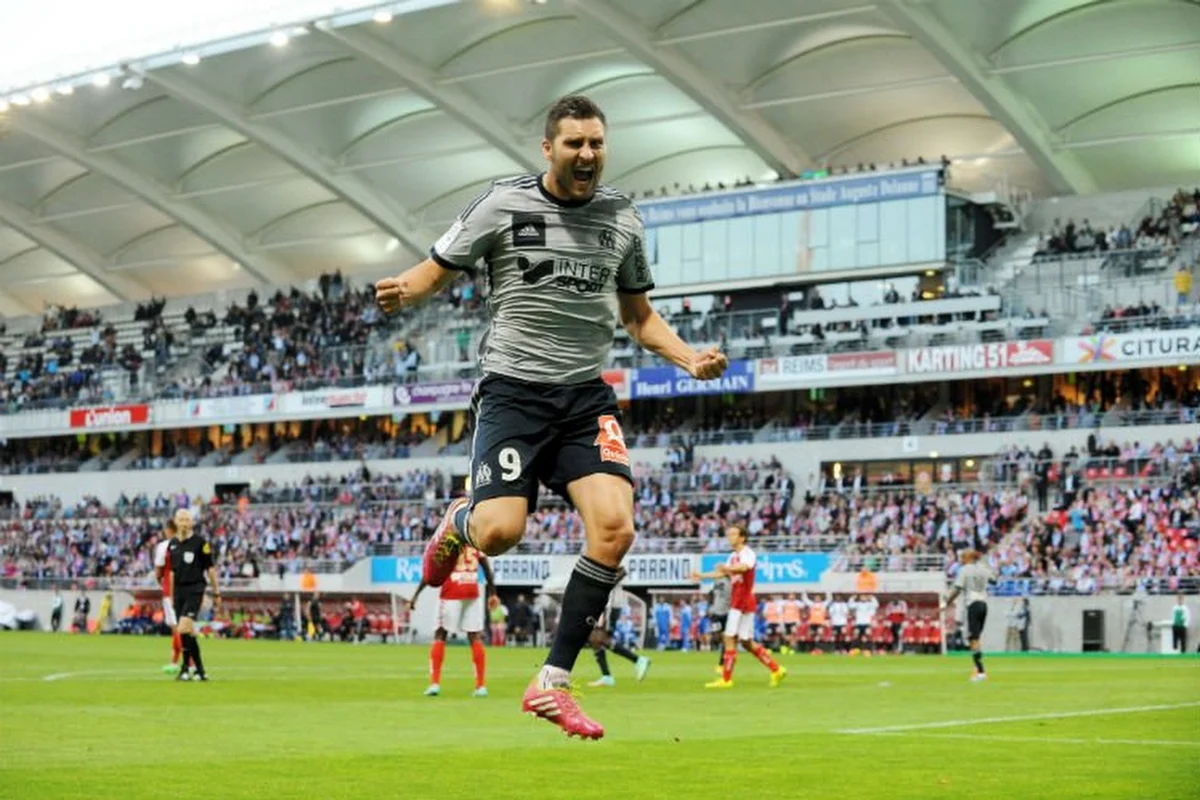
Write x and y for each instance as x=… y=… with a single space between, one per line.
x=529 y=433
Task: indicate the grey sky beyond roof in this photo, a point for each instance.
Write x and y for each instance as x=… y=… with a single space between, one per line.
x=354 y=147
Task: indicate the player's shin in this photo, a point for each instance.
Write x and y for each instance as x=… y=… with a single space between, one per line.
x=479 y=659
x=176 y=647
x=602 y=661
x=728 y=660
x=583 y=602
x=625 y=653
x=764 y=657
x=437 y=656
x=196 y=660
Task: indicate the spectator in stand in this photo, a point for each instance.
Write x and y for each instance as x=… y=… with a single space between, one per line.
x=1183 y=285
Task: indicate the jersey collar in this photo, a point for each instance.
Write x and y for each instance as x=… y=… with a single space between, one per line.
x=558 y=201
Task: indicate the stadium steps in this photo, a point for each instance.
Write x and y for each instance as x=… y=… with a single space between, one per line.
x=431 y=447
x=249 y=456
x=282 y=455
x=215 y=458
x=97 y=463
x=124 y=460
x=1016 y=254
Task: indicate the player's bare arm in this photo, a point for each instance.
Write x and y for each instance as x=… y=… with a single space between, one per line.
x=413 y=286
x=216 y=589
x=722 y=571
x=647 y=327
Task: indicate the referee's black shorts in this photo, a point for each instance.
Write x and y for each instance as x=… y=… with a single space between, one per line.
x=188 y=600
x=976 y=617
x=526 y=433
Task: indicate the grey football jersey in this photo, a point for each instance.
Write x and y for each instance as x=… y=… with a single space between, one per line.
x=554 y=270
x=721 y=591
x=973 y=580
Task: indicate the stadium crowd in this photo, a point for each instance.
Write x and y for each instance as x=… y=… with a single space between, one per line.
x=283 y=528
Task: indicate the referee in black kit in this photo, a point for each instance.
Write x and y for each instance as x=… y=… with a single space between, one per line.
x=191 y=557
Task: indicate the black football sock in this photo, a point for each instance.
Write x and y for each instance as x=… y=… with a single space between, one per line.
x=624 y=652
x=602 y=661
x=196 y=655
x=462 y=523
x=189 y=657
x=583 y=602
x=978 y=656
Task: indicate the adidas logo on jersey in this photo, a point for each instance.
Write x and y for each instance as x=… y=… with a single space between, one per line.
x=528 y=230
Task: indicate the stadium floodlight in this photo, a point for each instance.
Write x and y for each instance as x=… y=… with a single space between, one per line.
x=279 y=39
x=40 y=94
x=20 y=100
x=191 y=59
x=66 y=90
x=133 y=83
x=101 y=80
x=392 y=244
x=382 y=16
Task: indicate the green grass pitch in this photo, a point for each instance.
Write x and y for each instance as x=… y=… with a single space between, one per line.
x=92 y=717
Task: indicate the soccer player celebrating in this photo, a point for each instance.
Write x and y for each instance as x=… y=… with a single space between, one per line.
x=739 y=568
x=973 y=579
x=459 y=609
x=566 y=258
x=162 y=573
x=191 y=559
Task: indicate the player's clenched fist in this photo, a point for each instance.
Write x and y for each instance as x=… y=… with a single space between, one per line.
x=709 y=364
x=391 y=294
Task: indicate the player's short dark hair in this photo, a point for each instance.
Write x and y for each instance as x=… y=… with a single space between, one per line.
x=573 y=106
x=741 y=529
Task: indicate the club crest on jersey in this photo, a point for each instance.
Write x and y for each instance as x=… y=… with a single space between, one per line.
x=483 y=476
x=580 y=276
x=528 y=230
x=189 y=558
x=607 y=239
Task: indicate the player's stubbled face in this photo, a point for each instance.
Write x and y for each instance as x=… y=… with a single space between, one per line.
x=577 y=157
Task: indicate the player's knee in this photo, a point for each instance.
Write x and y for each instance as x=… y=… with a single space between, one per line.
x=612 y=537
x=494 y=532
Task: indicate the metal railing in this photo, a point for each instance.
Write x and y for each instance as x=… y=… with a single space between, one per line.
x=1076 y=419
x=1181 y=318
x=1107 y=584
x=1092 y=268
x=850 y=561
x=644 y=544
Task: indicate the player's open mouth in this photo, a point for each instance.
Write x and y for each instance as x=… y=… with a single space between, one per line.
x=583 y=174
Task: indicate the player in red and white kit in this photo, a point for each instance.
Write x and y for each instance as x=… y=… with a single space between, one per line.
x=460 y=609
x=162 y=574
x=739 y=567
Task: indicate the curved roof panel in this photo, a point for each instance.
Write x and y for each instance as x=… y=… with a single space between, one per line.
x=353 y=147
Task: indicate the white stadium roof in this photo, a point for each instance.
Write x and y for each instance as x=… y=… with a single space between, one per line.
x=355 y=144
